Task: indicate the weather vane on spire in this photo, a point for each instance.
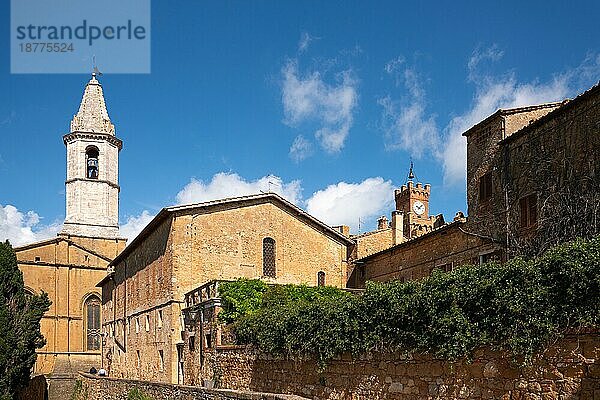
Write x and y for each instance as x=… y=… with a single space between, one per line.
x=411 y=174
x=95 y=70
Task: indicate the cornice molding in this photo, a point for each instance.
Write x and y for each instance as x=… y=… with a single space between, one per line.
x=70 y=137
x=109 y=183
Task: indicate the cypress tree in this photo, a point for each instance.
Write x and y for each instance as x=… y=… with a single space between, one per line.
x=20 y=315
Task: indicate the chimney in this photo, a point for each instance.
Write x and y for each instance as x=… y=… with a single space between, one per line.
x=397 y=227
x=382 y=223
x=343 y=229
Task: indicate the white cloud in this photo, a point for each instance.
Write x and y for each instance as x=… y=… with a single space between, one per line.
x=493 y=93
x=301 y=149
x=406 y=125
x=310 y=99
x=305 y=40
x=134 y=225
x=492 y=53
x=225 y=184
x=344 y=203
x=22 y=228
x=392 y=66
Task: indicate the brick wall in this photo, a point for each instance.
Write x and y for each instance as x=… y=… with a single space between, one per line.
x=90 y=387
x=416 y=258
x=568 y=370
x=557 y=160
x=373 y=242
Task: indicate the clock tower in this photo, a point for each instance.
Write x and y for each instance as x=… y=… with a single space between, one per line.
x=412 y=201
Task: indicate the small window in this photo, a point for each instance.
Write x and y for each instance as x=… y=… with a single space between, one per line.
x=147 y=323
x=159 y=323
x=208 y=338
x=493 y=256
x=38 y=259
x=320 y=278
x=192 y=343
x=91 y=161
x=161 y=361
x=139 y=359
x=485 y=187
x=137 y=325
x=528 y=210
x=269 y=267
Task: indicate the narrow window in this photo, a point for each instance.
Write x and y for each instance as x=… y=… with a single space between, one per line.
x=92 y=319
x=444 y=267
x=485 y=187
x=320 y=278
x=91 y=162
x=161 y=361
x=208 y=339
x=528 y=210
x=269 y=268
x=139 y=359
x=192 y=341
x=160 y=319
x=137 y=325
x=147 y=323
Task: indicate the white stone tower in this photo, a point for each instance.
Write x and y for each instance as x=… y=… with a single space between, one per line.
x=92 y=184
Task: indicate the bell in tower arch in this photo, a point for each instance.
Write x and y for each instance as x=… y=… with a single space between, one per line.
x=91 y=156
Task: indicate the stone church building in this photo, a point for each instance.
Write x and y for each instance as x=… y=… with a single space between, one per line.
x=69 y=266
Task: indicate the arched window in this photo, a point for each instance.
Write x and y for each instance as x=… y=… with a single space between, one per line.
x=91 y=162
x=320 y=278
x=269 y=258
x=91 y=310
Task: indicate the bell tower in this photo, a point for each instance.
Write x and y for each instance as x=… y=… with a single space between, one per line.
x=413 y=202
x=92 y=185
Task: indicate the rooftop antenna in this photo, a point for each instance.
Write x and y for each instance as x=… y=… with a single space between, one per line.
x=359 y=223
x=269 y=183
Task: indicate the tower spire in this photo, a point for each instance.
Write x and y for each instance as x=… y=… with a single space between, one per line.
x=92 y=116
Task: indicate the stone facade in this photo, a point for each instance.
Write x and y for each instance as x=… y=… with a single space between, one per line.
x=187 y=246
x=92 y=184
x=542 y=163
x=570 y=369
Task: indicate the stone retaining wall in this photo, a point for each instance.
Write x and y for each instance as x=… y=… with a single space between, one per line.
x=92 y=387
x=568 y=370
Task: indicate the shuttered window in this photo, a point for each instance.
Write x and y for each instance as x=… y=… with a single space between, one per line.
x=528 y=210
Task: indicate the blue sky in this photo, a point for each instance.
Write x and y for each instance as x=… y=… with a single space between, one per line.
x=332 y=98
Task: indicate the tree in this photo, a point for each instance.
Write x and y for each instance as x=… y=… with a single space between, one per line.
x=20 y=315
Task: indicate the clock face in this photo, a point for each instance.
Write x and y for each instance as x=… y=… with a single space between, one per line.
x=418 y=207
